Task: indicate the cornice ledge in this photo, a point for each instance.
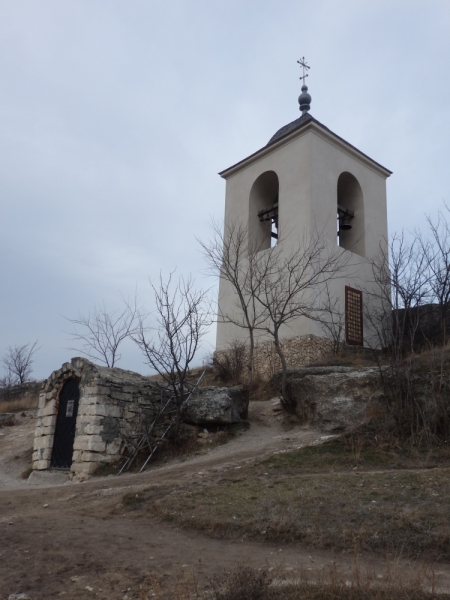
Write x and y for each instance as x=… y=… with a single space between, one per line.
x=321 y=130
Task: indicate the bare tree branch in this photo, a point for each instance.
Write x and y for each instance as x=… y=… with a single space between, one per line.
x=17 y=362
x=289 y=285
x=183 y=315
x=231 y=257
x=101 y=332
x=403 y=279
x=437 y=255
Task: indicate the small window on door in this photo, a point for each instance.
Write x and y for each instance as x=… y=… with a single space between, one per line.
x=353 y=317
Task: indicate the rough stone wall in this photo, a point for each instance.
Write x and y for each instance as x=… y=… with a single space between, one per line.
x=299 y=351
x=113 y=405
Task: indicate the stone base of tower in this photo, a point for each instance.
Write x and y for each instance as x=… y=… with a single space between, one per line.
x=304 y=350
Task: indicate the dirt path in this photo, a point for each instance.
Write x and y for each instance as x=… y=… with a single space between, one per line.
x=78 y=540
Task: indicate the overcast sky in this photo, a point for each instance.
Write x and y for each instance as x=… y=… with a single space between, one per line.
x=117 y=115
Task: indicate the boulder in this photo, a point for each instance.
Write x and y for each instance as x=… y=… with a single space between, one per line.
x=214 y=406
x=334 y=399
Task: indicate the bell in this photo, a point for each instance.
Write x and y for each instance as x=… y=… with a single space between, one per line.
x=345 y=223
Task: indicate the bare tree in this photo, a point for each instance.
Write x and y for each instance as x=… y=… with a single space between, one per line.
x=183 y=315
x=18 y=363
x=289 y=285
x=101 y=332
x=232 y=257
x=402 y=277
x=437 y=254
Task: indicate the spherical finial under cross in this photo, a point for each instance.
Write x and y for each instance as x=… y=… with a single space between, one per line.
x=304 y=100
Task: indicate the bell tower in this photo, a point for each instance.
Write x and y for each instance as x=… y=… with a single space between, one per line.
x=306 y=179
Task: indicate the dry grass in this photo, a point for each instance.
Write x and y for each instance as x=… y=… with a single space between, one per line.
x=259 y=584
x=351 y=357
x=18 y=405
x=181 y=449
x=382 y=505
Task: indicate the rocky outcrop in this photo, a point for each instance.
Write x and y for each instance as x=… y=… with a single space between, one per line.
x=214 y=406
x=333 y=399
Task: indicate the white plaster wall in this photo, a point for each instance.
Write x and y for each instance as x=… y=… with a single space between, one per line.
x=308 y=166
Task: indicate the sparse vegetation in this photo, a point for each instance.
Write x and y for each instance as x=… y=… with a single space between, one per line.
x=247 y=583
x=387 y=501
x=20 y=397
x=230 y=363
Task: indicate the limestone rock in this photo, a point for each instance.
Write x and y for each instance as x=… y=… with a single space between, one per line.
x=48 y=477
x=215 y=406
x=334 y=399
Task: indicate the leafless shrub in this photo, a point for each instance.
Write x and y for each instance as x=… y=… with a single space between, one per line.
x=230 y=363
x=402 y=287
x=183 y=315
x=415 y=385
x=244 y=583
x=435 y=250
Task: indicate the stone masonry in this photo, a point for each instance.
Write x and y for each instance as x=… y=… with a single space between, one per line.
x=113 y=405
x=302 y=350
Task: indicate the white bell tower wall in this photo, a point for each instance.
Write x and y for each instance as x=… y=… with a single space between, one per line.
x=312 y=172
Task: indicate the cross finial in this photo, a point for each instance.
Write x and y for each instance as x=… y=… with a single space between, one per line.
x=305 y=67
x=304 y=99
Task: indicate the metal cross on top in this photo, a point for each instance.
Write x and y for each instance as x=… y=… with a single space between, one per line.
x=303 y=64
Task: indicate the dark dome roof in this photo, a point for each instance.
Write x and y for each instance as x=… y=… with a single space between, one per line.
x=291 y=127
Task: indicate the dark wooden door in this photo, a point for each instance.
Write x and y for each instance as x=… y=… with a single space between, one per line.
x=65 y=425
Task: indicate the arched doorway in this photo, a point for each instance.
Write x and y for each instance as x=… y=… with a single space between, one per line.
x=65 y=425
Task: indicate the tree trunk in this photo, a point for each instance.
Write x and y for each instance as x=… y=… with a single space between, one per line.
x=179 y=402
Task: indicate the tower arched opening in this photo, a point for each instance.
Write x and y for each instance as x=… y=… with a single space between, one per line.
x=350 y=214
x=263 y=226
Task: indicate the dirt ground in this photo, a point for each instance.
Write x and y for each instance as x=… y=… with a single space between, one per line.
x=78 y=540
